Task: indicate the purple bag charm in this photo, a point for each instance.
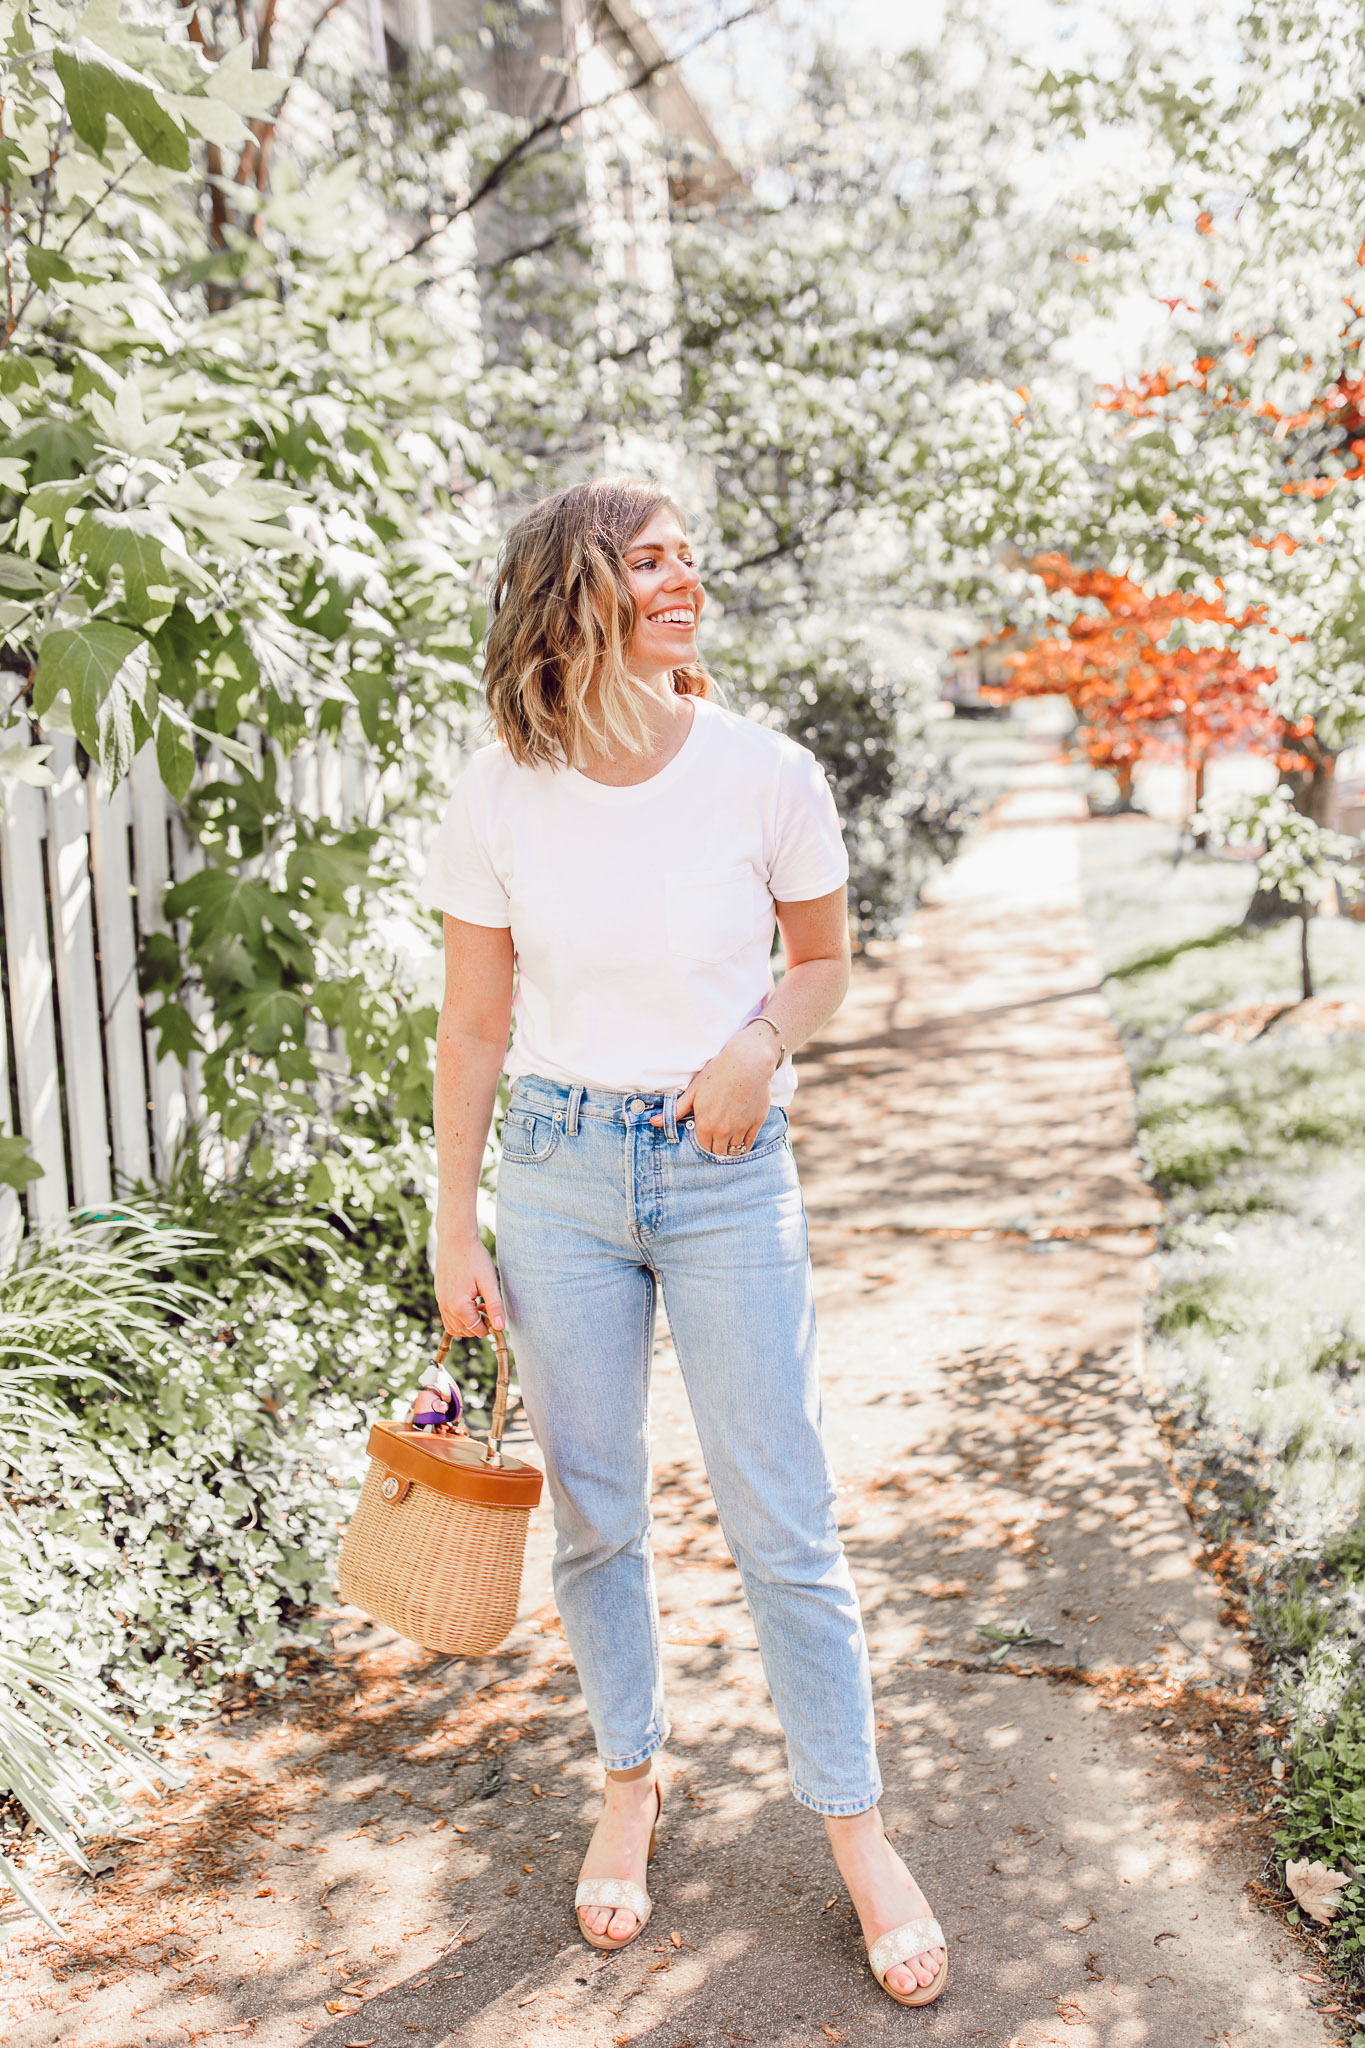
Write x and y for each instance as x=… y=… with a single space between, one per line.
x=438 y=1404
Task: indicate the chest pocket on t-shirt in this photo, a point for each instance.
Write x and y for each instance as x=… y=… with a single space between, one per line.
x=712 y=912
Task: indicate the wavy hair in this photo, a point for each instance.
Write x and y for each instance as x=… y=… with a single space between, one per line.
x=563 y=617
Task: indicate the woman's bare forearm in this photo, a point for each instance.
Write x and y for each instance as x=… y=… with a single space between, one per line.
x=807 y=997
x=467 y=1069
x=471 y=1041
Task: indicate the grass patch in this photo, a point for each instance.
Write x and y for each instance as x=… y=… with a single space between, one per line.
x=1167 y=956
x=1257 y=1324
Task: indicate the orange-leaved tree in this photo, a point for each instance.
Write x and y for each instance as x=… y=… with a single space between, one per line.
x=1145 y=676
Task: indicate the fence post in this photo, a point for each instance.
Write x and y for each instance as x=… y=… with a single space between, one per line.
x=152 y=858
x=110 y=823
x=24 y=878
x=73 y=931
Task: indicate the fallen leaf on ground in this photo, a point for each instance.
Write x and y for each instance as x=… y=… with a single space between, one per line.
x=1316 y=1887
x=831 y=2033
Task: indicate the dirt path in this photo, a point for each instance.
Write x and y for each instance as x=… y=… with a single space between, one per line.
x=980 y=1232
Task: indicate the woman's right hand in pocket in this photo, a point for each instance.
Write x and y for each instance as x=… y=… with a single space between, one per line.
x=467 y=1286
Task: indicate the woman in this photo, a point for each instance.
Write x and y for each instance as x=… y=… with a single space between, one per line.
x=609 y=874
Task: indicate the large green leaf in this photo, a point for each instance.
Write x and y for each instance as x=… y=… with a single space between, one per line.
x=45 y=268
x=175 y=757
x=98 y=85
x=221 y=904
x=60 y=448
x=234 y=517
x=17 y=1164
x=177 y=1034
x=104 y=670
x=49 y=504
x=247 y=91
x=18 y=574
x=141 y=545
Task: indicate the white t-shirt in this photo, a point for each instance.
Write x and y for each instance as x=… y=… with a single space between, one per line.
x=642 y=918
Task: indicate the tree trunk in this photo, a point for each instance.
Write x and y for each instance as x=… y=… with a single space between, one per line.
x=1313 y=789
x=1305 y=962
x=1123 y=776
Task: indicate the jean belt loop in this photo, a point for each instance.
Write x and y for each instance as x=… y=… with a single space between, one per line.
x=671 y=1117
x=575 y=1098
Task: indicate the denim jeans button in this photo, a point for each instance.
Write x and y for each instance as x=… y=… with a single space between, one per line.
x=635 y=1105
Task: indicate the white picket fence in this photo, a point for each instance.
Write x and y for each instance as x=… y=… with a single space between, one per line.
x=82 y=874
x=82 y=877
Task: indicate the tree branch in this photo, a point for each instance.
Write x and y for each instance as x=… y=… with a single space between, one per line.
x=499 y=171
x=530 y=248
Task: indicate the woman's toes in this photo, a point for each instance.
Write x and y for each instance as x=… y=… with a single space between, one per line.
x=917 y=1974
x=622 y=1924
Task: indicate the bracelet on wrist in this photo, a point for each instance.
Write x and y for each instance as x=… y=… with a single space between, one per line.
x=781 y=1042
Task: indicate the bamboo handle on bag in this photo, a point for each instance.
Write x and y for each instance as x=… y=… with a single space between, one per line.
x=493 y=1455
x=498 y=1422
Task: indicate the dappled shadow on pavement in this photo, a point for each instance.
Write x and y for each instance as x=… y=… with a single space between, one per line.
x=963 y=1103
x=388 y=1858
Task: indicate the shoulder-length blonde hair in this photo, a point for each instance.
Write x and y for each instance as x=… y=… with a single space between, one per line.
x=563 y=618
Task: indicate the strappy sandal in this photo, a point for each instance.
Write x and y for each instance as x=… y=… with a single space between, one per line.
x=911 y=1938
x=620 y=1893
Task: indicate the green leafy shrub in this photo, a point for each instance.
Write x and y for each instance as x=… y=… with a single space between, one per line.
x=1325 y=1820
x=181 y=1524
x=240 y=496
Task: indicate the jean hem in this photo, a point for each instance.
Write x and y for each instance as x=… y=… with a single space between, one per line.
x=836 y=1809
x=636 y=1756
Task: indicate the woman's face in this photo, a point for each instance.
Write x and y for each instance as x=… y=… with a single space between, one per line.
x=668 y=598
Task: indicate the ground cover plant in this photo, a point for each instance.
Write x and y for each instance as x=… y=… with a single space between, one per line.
x=1257 y=1325
x=188 y=1388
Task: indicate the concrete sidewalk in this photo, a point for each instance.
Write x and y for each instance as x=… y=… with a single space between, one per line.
x=980 y=1231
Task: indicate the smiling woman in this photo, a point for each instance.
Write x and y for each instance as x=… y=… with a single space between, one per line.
x=611 y=873
x=577 y=614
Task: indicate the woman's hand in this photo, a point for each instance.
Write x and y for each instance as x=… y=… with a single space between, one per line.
x=466 y=1277
x=729 y=1097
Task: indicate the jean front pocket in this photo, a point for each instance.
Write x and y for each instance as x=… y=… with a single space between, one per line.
x=772 y=1135
x=529 y=1136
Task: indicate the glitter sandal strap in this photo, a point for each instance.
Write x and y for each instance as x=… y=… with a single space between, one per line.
x=618 y=1892
x=911 y=1938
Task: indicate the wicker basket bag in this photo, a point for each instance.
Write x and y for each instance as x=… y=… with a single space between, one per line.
x=435 y=1546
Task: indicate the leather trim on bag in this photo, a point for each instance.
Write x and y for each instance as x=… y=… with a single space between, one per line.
x=454 y=1466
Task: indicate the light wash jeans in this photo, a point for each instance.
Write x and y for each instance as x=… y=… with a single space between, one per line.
x=596 y=1209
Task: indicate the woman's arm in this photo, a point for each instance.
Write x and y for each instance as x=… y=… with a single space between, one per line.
x=728 y=1099
x=471 y=1039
